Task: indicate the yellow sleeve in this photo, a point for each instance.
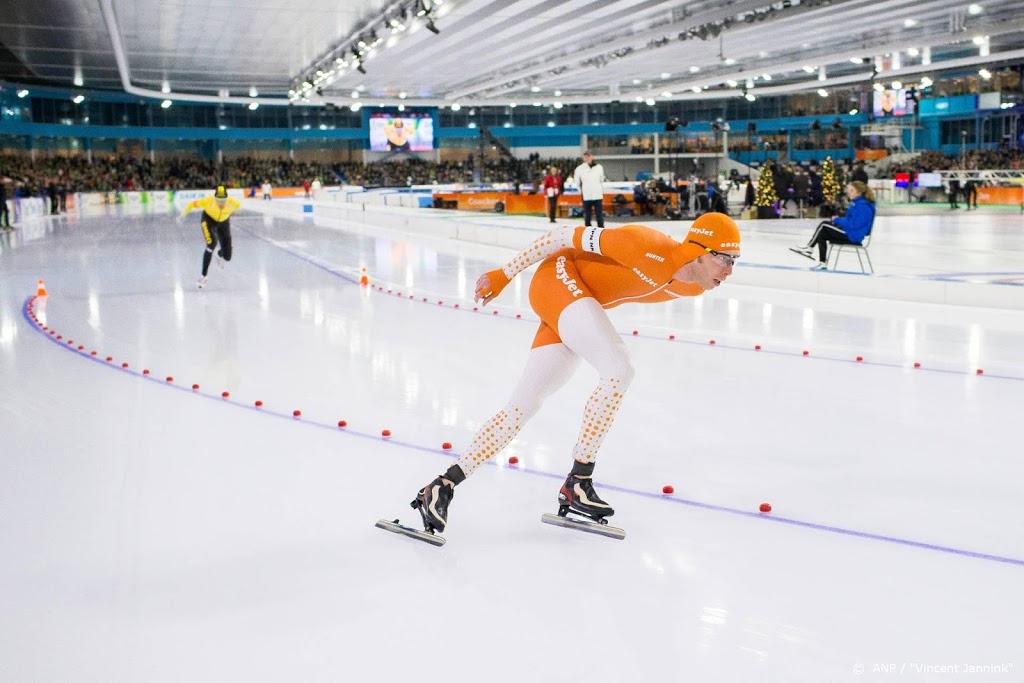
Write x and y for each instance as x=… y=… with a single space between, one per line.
x=194 y=204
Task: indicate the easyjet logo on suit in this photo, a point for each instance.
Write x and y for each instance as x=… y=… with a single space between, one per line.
x=564 y=277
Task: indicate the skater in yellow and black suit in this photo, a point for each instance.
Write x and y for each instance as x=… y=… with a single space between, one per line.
x=216 y=227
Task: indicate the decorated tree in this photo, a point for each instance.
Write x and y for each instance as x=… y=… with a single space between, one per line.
x=830 y=188
x=765 y=198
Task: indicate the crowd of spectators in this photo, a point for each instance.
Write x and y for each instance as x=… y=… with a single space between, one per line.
x=978 y=159
x=23 y=176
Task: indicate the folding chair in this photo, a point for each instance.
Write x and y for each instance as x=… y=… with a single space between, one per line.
x=834 y=248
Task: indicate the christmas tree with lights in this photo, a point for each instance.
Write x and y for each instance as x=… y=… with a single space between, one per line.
x=765 y=198
x=830 y=188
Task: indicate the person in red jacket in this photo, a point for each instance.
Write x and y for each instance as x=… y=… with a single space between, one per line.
x=552 y=190
x=583 y=272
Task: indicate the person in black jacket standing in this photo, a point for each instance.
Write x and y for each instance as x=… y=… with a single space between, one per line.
x=971 y=193
x=5 y=214
x=860 y=174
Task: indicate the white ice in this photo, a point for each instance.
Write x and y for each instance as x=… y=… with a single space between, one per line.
x=150 y=532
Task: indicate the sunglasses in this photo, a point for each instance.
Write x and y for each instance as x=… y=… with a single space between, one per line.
x=725 y=259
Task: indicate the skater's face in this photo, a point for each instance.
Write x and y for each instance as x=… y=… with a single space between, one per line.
x=714 y=267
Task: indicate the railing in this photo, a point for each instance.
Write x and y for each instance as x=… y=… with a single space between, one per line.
x=988 y=177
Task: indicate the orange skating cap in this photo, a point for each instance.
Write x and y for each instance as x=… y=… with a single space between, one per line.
x=715 y=231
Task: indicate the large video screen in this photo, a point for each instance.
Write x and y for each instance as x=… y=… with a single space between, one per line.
x=408 y=132
x=891 y=103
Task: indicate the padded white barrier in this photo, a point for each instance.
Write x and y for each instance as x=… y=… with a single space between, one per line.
x=484 y=229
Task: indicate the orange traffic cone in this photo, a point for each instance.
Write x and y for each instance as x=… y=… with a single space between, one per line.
x=41 y=291
x=364 y=279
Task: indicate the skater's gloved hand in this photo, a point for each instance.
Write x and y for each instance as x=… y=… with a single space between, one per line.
x=180 y=218
x=490 y=285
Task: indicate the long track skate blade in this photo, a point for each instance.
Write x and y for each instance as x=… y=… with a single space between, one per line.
x=418 y=534
x=584 y=525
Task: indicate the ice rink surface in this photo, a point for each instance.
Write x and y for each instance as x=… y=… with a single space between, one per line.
x=150 y=531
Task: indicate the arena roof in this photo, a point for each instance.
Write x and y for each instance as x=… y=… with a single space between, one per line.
x=438 y=52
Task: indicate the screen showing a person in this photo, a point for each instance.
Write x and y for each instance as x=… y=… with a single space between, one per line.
x=406 y=132
x=891 y=103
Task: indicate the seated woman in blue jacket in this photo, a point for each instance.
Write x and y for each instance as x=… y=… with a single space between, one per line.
x=849 y=229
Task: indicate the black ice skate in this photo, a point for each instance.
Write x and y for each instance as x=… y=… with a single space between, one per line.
x=432 y=502
x=577 y=496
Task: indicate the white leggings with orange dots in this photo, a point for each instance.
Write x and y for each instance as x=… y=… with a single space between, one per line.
x=586 y=333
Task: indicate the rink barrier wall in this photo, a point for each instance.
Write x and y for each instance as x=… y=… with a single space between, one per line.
x=492 y=231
